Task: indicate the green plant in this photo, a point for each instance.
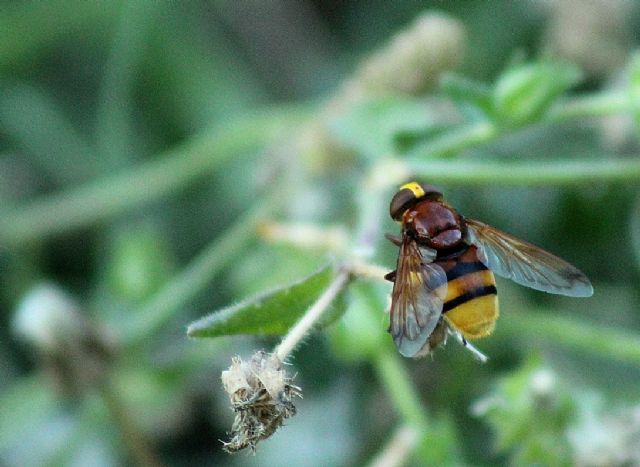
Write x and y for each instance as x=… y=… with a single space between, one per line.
x=295 y=201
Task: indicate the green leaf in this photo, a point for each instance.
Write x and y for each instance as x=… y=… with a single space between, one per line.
x=361 y=333
x=272 y=313
x=462 y=89
x=524 y=93
x=372 y=126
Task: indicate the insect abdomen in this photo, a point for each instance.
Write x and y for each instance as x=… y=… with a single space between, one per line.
x=471 y=303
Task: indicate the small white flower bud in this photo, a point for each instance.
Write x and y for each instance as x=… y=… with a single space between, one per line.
x=71 y=348
x=45 y=316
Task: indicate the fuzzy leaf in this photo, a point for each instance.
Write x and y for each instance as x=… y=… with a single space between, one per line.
x=272 y=313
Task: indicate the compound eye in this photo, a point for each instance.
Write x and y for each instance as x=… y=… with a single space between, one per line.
x=400 y=202
x=431 y=191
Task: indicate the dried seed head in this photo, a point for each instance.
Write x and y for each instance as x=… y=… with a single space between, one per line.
x=261 y=396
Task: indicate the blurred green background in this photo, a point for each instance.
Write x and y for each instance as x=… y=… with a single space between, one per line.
x=144 y=147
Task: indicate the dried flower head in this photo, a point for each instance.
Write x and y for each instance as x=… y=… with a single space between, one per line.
x=261 y=396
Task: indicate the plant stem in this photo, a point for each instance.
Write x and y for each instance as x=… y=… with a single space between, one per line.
x=372 y=205
x=398 y=450
x=454 y=141
x=591 y=338
x=150 y=181
x=397 y=382
x=198 y=273
x=32 y=120
x=131 y=435
x=115 y=139
x=556 y=172
x=595 y=105
x=306 y=323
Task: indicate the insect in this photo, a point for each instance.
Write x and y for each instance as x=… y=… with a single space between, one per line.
x=444 y=283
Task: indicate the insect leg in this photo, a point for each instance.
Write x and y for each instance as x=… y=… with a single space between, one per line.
x=482 y=358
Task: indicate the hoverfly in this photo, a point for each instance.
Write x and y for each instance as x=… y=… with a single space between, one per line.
x=444 y=284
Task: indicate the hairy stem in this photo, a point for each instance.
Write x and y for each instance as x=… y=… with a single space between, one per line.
x=311 y=317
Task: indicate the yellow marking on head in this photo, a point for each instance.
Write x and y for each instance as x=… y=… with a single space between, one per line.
x=417 y=190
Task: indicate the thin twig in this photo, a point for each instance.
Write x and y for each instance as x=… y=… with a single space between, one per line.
x=594 y=105
x=131 y=434
x=399 y=386
x=399 y=449
x=300 y=330
x=497 y=172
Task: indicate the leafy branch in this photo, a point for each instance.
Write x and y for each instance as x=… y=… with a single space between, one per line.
x=524 y=96
x=514 y=106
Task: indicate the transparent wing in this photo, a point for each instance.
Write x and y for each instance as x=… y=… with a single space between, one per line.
x=525 y=263
x=416 y=301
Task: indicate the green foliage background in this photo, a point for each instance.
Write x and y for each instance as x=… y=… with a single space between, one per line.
x=146 y=148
